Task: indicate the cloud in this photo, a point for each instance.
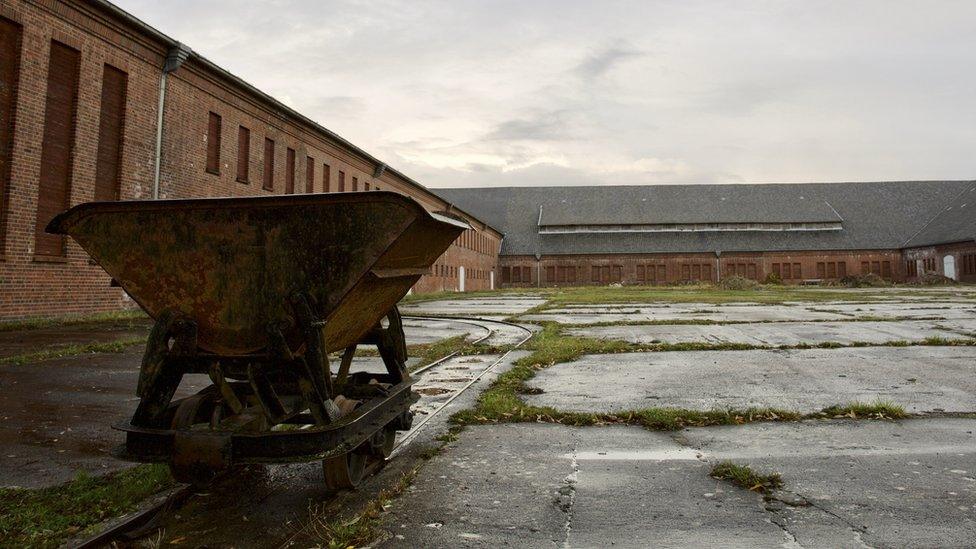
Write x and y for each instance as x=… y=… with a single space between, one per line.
x=599 y=63
x=505 y=93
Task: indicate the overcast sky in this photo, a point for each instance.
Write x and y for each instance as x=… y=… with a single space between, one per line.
x=458 y=93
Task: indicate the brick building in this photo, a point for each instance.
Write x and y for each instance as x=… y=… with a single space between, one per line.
x=97 y=105
x=670 y=233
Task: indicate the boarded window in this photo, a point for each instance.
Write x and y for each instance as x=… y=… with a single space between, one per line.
x=516 y=274
x=366 y=185
x=841 y=269
x=309 y=175
x=876 y=267
x=269 y=147
x=696 y=272
x=685 y=272
x=640 y=273
x=526 y=274
x=10 y=37
x=54 y=189
x=911 y=268
x=550 y=274
x=570 y=274
x=821 y=270
x=662 y=273
x=213 y=143
x=776 y=271
x=752 y=271
x=615 y=273
x=865 y=267
x=243 y=154
x=886 y=269
x=326 y=177
x=342 y=181
x=787 y=271
x=595 y=275
x=706 y=272
x=111 y=121
x=831 y=269
x=796 y=271
x=355 y=183
x=290 y=171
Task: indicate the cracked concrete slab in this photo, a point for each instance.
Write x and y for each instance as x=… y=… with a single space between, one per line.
x=780 y=333
x=922 y=379
x=847 y=484
x=884 y=483
x=724 y=313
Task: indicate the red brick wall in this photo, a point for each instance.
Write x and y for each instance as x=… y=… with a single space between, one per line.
x=753 y=265
x=477 y=253
x=29 y=287
x=936 y=258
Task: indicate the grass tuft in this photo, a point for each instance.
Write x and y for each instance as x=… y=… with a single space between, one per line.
x=50 y=516
x=35 y=323
x=880 y=409
x=72 y=350
x=745 y=477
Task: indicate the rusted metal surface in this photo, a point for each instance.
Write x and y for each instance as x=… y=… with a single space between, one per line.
x=230 y=265
x=255 y=292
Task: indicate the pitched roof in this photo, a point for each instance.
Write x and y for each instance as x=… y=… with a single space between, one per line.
x=874 y=215
x=956 y=222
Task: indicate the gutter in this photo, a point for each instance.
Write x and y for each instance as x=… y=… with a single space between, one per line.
x=174 y=60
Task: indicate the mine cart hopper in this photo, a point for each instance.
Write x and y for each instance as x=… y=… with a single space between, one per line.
x=256 y=293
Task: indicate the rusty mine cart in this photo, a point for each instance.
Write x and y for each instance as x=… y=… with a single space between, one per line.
x=256 y=293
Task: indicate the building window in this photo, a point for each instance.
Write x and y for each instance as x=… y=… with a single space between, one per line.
x=876 y=267
x=243 y=154
x=841 y=269
x=326 y=177
x=526 y=274
x=968 y=264
x=57 y=145
x=111 y=121
x=885 y=269
x=10 y=41
x=550 y=274
x=213 y=144
x=342 y=181
x=640 y=273
x=911 y=268
x=831 y=269
x=516 y=274
x=290 y=171
x=796 y=271
x=355 y=183
x=821 y=270
x=506 y=275
x=309 y=175
x=366 y=185
x=269 y=147
x=595 y=277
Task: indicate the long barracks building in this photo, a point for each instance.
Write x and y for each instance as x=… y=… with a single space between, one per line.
x=97 y=105
x=671 y=233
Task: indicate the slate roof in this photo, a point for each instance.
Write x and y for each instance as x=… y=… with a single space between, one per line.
x=874 y=215
x=955 y=223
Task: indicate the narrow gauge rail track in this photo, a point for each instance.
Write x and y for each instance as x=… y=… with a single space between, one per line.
x=180 y=495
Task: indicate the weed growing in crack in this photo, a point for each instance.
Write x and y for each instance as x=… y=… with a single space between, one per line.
x=744 y=477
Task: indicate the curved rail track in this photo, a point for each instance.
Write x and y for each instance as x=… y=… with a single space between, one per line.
x=178 y=496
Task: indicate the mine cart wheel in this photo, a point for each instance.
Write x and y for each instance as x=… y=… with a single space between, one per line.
x=191 y=410
x=381 y=445
x=344 y=472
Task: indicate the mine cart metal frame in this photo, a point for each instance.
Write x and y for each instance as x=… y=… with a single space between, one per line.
x=273 y=396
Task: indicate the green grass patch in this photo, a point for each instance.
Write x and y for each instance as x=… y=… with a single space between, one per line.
x=34 y=323
x=72 y=350
x=880 y=409
x=744 y=477
x=502 y=403
x=50 y=516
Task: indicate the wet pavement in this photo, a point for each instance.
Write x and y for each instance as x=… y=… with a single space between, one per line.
x=481 y=306
x=56 y=415
x=846 y=484
x=920 y=378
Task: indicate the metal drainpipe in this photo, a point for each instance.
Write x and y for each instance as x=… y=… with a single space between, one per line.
x=538 y=270
x=174 y=59
x=718 y=266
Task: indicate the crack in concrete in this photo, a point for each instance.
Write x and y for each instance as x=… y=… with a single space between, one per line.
x=799 y=500
x=567 y=497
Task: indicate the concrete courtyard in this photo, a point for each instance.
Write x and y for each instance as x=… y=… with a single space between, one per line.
x=846 y=481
